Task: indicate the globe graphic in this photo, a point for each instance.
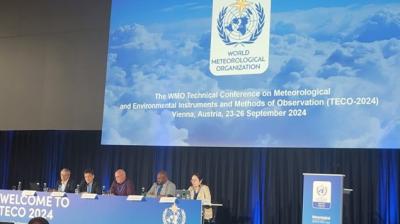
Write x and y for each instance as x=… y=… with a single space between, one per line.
x=171 y=217
x=240 y=25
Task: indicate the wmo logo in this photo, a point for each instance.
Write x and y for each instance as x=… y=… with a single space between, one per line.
x=322 y=194
x=240 y=37
x=174 y=215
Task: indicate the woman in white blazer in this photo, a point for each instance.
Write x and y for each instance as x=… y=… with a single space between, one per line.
x=199 y=191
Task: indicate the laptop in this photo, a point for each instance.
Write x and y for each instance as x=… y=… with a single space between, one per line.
x=182 y=194
x=34 y=186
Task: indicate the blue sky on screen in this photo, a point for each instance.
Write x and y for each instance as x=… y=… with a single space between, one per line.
x=351 y=46
x=146 y=12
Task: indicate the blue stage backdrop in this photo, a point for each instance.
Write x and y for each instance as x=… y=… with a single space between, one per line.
x=255 y=186
x=238 y=73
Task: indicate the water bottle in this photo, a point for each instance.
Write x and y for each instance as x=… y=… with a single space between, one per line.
x=38 y=186
x=77 y=189
x=19 y=185
x=143 y=191
x=103 y=190
x=45 y=188
x=59 y=189
x=188 y=194
x=183 y=196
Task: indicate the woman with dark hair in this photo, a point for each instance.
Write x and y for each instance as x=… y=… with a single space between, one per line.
x=38 y=220
x=200 y=191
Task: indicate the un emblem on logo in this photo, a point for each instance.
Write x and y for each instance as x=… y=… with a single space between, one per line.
x=174 y=215
x=240 y=33
x=322 y=194
x=241 y=23
x=322 y=190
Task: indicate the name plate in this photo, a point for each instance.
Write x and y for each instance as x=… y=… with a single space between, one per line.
x=88 y=196
x=28 y=193
x=167 y=200
x=57 y=194
x=135 y=198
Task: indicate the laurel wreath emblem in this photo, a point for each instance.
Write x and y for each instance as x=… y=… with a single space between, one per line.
x=225 y=38
x=181 y=212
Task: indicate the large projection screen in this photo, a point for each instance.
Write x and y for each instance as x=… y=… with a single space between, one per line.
x=238 y=73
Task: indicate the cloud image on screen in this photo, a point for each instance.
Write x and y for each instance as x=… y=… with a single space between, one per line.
x=352 y=49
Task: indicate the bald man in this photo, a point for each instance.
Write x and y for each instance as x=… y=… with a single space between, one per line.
x=121 y=185
x=162 y=187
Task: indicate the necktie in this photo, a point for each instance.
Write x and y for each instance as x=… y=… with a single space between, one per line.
x=159 y=190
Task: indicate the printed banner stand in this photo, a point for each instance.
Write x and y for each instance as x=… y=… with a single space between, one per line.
x=323 y=198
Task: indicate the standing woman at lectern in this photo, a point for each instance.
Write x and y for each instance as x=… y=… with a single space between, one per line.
x=199 y=191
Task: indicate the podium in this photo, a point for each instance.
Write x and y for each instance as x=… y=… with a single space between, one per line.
x=323 y=198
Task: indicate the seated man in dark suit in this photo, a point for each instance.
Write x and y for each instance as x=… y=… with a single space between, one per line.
x=89 y=184
x=66 y=184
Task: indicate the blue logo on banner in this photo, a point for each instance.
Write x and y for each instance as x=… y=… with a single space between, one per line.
x=174 y=215
x=322 y=192
x=241 y=23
